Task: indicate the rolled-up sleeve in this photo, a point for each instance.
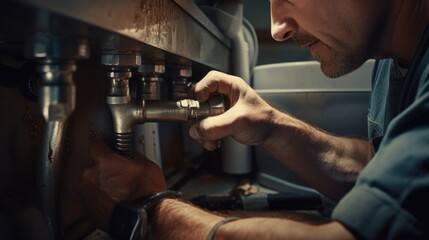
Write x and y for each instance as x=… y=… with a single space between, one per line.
x=391 y=197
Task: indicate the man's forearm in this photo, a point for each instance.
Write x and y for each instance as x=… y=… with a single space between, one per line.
x=178 y=220
x=174 y=219
x=328 y=163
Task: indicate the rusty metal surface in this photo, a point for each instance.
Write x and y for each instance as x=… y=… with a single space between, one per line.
x=175 y=32
x=168 y=29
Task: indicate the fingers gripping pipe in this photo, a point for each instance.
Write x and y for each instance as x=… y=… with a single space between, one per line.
x=128 y=112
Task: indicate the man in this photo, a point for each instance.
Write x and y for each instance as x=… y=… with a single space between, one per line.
x=382 y=185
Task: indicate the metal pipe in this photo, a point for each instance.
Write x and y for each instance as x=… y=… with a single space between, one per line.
x=236 y=157
x=126 y=115
x=57 y=102
x=57 y=90
x=48 y=183
x=146 y=137
x=129 y=112
x=122 y=109
x=119 y=98
x=56 y=97
x=182 y=110
x=180 y=86
x=150 y=81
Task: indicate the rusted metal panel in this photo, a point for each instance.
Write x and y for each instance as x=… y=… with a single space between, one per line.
x=156 y=27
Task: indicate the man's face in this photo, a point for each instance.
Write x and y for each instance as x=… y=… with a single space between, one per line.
x=340 y=34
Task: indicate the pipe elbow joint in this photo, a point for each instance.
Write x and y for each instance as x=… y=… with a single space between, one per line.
x=126 y=113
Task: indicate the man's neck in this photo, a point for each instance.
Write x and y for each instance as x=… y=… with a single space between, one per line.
x=406 y=25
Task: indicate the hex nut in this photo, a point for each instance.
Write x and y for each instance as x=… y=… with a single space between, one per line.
x=129 y=59
x=179 y=71
x=154 y=69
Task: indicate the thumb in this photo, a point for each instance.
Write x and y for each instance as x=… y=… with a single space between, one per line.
x=214 y=128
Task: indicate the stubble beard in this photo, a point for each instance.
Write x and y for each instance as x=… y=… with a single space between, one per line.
x=335 y=62
x=339 y=63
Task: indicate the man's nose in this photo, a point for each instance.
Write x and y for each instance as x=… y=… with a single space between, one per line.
x=282 y=26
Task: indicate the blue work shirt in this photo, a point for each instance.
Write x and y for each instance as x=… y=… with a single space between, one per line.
x=391 y=197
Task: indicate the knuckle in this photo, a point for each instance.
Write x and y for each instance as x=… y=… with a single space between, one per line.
x=213 y=73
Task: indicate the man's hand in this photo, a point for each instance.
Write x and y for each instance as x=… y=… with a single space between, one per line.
x=114 y=178
x=248 y=119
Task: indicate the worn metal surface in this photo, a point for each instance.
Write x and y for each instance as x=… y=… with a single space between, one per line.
x=163 y=29
x=48 y=176
x=173 y=32
x=25 y=136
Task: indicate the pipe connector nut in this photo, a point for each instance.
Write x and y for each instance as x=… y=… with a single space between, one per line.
x=121 y=59
x=179 y=71
x=152 y=69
